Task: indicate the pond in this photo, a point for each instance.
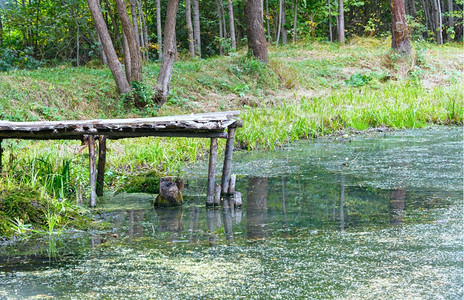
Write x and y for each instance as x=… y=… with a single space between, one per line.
x=372 y=216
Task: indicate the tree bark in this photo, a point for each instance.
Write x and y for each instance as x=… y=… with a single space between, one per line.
x=268 y=26
x=439 y=30
x=330 y=22
x=255 y=31
x=158 y=29
x=135 y=60
x=450 y=17
x=279 y=24
x=341 y=22
x=295 y=20
x=143 y=41
x=127 y=57
x=113 y=61
x=233 y=42
x=196 y=26
x=400 y=30
x=284 y=21
x=221 y=35
x=169 y=54
x=188 y=17
x=135 y=27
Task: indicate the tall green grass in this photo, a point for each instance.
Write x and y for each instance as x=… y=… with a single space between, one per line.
x=396 y=105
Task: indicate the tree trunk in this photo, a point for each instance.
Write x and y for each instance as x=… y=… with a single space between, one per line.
x=330 y=22
x=400 y=30
x=135 y=26
x=143 y=41
x=341 y=22
x=284 y=21
x=233 y=42
x=450 y=17
x=135 y=60
x=196 y=26
x=1 y=30
x=170 y=192
x=103 y=55
x=224 y=27
x=267 y=22
x=169 y=54
x=158 y=29
x=113 y=61
x=145 y=29
x=127 y=57
x=440 y=24
x=437 y=21
x=295 y=20
x=255 y=31
x=113 y=20
x=279 y=24
x=221 y=35
x=188 y=17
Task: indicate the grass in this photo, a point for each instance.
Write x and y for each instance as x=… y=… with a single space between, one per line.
x=307 y=90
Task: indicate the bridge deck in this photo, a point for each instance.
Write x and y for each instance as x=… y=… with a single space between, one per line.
x=207 y=125
x=194 y=125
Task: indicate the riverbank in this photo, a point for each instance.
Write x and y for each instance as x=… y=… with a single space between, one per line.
x=307 y=90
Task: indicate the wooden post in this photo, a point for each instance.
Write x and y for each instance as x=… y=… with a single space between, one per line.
x=211 y=172
x=227 y=161
x=93 y=171
x=1 y=156
x=101 y=164
x=233 y=179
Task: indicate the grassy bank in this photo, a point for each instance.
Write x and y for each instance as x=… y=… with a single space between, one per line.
x=307 y=90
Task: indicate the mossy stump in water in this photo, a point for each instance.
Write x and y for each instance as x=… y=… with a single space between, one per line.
x=170 y=192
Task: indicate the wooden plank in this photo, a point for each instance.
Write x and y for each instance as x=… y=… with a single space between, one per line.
x=101 y=165
x=92 y=171
x=110 y=134
x=227 y=161
x=211 y=172
x=168 y=120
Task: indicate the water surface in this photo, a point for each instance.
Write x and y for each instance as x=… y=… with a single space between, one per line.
x=367 y=217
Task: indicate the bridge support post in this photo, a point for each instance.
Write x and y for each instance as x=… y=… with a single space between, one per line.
x=227 y=161
x=101 y=164
x=1 y=156
x=211 y=172
x=92 y=170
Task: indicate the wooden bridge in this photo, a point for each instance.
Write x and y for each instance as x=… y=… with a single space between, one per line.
x=207 y=125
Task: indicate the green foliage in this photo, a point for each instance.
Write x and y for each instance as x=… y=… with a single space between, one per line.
x=18 y=59
x=358 y=79
x=26 y=208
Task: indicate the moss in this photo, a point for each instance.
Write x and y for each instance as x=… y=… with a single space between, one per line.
x=147 y=182
x=162 y=202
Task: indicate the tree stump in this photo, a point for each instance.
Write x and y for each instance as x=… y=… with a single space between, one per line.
x=170 y=194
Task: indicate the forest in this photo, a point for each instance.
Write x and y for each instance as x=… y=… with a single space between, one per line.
x=347 y=149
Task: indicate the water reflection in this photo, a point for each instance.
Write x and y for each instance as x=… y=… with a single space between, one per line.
x=257 y=223
x=281 y=205
x=397 y=200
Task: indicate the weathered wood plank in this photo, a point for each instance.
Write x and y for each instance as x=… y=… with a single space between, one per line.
x=211 y=172
x=110 y=134
x=1 y=156
x=227 y=161
x=192 y=119
x=93 y=171
x=101 y=165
